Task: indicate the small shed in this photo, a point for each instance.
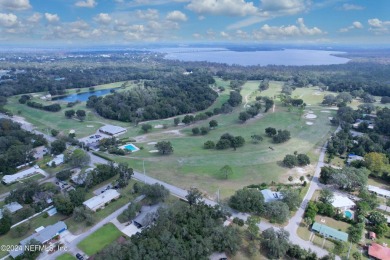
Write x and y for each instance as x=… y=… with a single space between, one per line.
x=372 y=235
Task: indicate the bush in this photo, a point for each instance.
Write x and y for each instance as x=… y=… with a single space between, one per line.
x=209 y=145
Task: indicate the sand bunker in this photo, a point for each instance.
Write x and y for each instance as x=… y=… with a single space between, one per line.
x=310 y=116
x=90 y=126
x=317 y=93
x=153 y=151
x=152 y=143
x=309 y=123
x=180 y=124
x=158 y=126
x=325 y=111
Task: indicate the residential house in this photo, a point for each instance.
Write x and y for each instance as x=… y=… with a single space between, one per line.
x=376 y=251
x=327 y=231
x=270 y=195
x=342 y=202
x=100 y=200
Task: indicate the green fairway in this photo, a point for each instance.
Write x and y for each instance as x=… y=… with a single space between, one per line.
x=100 y=239
x=191 y=165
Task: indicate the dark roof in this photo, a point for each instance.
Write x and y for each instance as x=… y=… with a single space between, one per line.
x=145 y=218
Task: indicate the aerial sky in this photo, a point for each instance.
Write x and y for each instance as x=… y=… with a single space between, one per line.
x=114 y=22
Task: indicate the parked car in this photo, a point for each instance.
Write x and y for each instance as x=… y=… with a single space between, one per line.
x=79 y=256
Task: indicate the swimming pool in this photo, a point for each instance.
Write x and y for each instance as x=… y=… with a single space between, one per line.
x=348 y=214
x=130 y=147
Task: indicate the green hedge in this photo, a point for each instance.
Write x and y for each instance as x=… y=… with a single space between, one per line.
x=103 y=156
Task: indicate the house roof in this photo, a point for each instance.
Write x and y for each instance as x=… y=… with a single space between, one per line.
x=100 y=199
x=45 y=234
x=378 y=251
x=112 y=129
x=42 y=235
x=143 y=218
x=342 y=201
x=328 y=231
x=379 y=191
x=59 y=159
x=12 y=207
x=23 y=174
x=270 y=195
x=353 y=157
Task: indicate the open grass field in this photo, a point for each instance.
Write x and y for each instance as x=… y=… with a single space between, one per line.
x=100 y=239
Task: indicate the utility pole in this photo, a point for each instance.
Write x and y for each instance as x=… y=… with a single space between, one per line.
x=218 y=196
x=143 y=165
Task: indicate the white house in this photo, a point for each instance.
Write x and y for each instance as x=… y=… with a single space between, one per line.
x=58 y=160
x=8 y=179
x=379 y=191
x=270 y=195
x=342 y=202
x=99 y=201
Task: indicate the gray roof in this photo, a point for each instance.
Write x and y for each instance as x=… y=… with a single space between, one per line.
x=12 y=207
x=146 y=216
x=46 y=234
x=112 y=129
x=42 y=236
x=270 y=195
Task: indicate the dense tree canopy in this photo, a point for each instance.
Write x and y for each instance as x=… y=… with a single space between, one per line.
x=180 y=232
x=16 y=145
x=248 y=200
x=166 y=97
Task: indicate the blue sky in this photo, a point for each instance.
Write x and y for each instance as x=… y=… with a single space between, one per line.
x=113 y=22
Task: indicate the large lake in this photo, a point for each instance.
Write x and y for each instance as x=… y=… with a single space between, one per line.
x=83 y=96
x=286 y=57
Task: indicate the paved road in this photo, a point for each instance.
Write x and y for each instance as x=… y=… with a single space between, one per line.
x=72 y=246
x=384 y=207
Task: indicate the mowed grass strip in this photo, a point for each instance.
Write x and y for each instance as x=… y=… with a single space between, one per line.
x=66 y=256
x=100 y=239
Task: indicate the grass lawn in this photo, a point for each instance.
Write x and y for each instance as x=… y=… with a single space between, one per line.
x=378 y=182
x=100 y=239
x=66 y=256
x=36 y=222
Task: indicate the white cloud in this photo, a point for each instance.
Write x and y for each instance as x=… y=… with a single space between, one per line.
x=103 y=18
x=36 y=17
x=270 y=9
x=222 y=7
x=285 y=7
x=86 y=3
x=287 y=31
x=52 y=18
x=15 y=5
x=355 y=25
x=177 y=16
x=8 y=20
x=225 y=35
x=378 y=26
x=149 y=14
x=351 y=7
